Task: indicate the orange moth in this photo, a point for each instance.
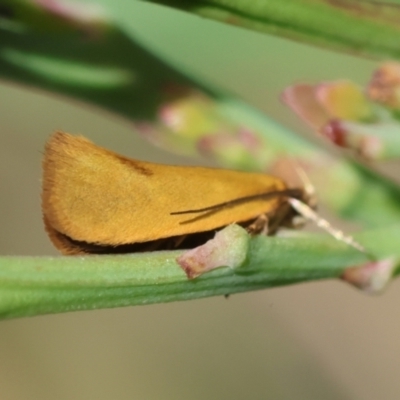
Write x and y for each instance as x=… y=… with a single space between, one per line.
x=97 y=201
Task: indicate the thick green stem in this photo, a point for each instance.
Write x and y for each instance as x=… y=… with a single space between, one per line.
x=42 y=285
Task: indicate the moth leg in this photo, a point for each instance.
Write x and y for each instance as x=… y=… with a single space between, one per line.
x=178 y=240
x=153 y=245
x=259 y=225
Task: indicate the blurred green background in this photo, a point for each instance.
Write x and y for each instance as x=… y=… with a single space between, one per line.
x=313 y=341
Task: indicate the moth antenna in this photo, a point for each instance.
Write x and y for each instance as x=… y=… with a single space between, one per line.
x=306 y=184
x=309 y=188
x=308 y=213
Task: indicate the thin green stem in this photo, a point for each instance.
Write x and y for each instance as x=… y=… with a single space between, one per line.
x=362 y=27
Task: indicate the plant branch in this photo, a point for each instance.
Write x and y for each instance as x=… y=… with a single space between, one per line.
x=41 y=285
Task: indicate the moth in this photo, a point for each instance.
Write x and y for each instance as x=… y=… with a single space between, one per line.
x=97 y=201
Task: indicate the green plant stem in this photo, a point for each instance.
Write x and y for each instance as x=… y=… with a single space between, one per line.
x=41 y=285
x=362 y=27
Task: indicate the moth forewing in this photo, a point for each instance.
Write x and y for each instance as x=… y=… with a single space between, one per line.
x=101 y=199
